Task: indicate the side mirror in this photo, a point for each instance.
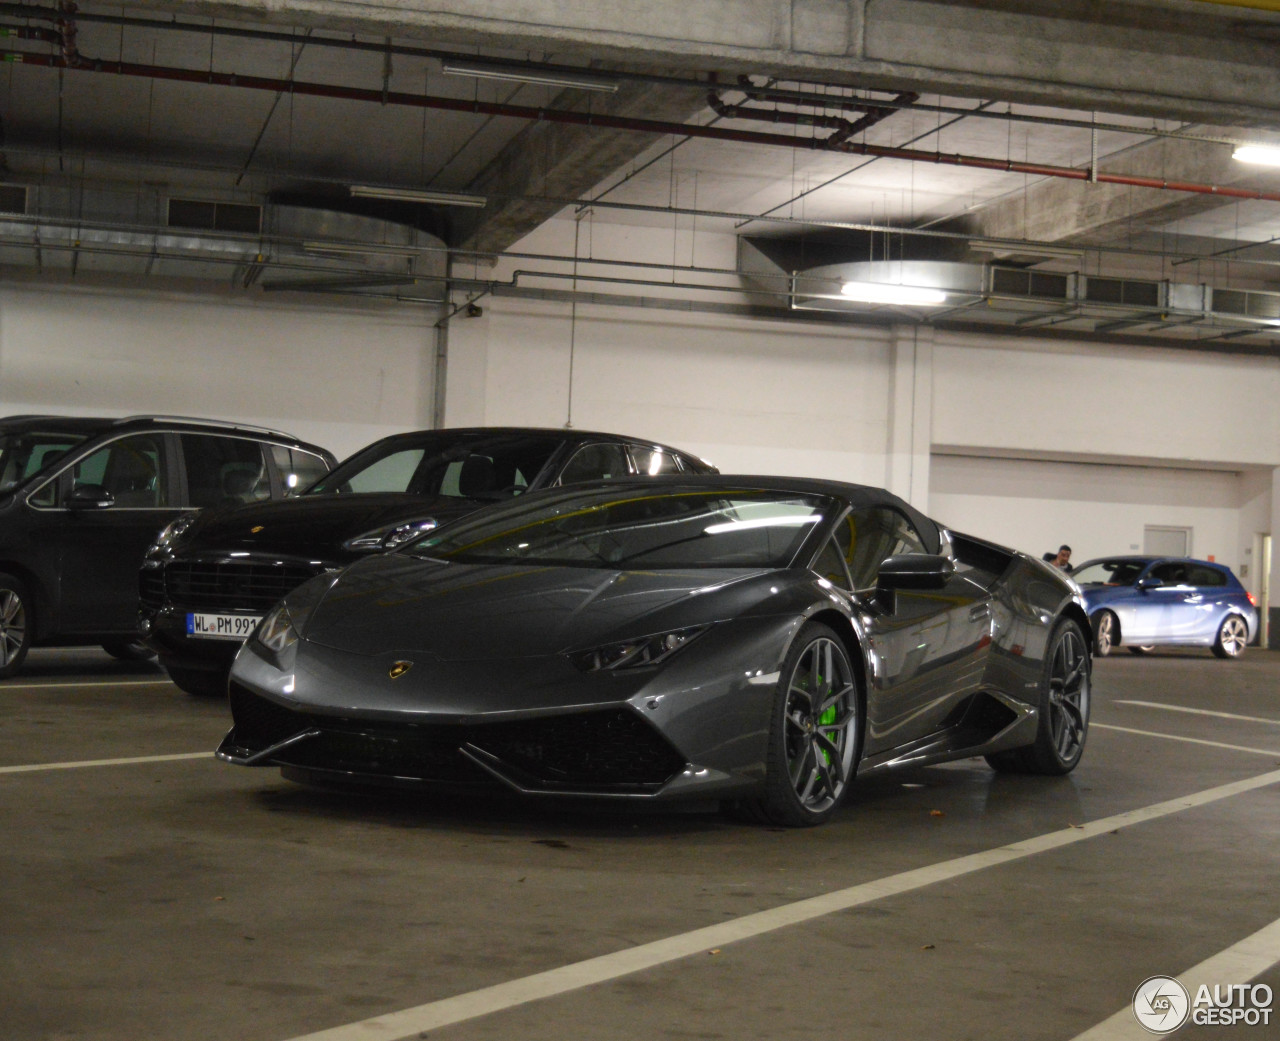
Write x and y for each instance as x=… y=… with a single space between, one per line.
x=1149 y=583
x=90 y=497
x=915 y=571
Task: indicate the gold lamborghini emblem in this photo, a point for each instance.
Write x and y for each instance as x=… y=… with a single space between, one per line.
x=399 y=669
x=255 y=529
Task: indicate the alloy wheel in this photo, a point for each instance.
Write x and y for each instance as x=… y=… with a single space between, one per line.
x=1233 y=636
x=1068 y=705
x=13 y=626
x=821 y=724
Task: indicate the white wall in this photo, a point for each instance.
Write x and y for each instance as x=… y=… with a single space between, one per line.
x=1097 y=509
x=751 y=396
x=339 y=376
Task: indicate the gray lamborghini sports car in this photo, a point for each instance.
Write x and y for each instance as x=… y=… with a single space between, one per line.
x=753 y=639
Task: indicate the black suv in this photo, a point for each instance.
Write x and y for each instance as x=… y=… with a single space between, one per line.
x=82 y=499
x=211 y=576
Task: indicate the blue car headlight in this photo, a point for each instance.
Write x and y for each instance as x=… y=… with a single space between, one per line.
x=633 y=654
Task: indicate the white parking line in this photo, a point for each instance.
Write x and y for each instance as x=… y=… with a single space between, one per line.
x=1201 y=712
x=57 y=684
x=35 y=767
x=1239 y=963
x=1190 y=740
x=413 y=1022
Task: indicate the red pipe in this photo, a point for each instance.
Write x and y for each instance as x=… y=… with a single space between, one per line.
x=649 y=126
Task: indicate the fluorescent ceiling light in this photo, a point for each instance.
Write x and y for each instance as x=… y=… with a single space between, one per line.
x=368 y=191
x=889 y=293
x=519 y=74
x=1264 y=155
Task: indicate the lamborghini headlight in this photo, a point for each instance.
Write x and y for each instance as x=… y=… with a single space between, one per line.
x=633 y=654
x=276 y=632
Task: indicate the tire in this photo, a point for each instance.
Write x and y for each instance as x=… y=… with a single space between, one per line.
x=1232 y=636
x=200 y=682
x=1146 y=649
x=16 y=624
x=815 y=733
x=125 y=650
x=1106 y=633
x=1064 y=709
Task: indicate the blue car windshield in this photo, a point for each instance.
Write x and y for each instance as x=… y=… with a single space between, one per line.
x=24 y=455
x=635 y=529
x=1110 y=572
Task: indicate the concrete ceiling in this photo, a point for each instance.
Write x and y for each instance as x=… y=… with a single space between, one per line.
x=954 y=122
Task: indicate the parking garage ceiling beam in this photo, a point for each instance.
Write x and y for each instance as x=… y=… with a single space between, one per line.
x=1108 y=214
x=1181 y=59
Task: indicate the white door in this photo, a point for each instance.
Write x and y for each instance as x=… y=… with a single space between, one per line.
x=1161 y=541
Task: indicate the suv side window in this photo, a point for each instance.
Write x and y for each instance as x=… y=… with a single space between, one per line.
x=866 y=537
x=132 y=469
x=224 y=471
x=297 y=469
x=653 y=461
x=595 y=463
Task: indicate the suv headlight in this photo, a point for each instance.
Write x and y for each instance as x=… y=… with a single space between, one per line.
x=171 y=532
x=632 y=654
x=389 y=537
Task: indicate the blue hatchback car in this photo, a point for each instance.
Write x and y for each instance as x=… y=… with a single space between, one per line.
x=1146 y=602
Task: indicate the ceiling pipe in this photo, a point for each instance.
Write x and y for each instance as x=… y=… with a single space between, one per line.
x=659 y=127
x=844 y=128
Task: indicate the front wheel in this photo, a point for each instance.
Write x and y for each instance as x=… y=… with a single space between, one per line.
x=1232 y=636
x=1106 y=633
x=15 y=624
x=814 y=734
x=1064 y=709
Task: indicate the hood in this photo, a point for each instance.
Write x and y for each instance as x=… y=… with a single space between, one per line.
x=456 y=612
x=314 y=526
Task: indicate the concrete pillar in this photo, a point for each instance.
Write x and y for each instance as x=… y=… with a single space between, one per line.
x=1272 y=603
x=910 y=415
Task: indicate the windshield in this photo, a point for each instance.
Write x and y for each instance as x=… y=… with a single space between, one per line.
x=638 y=529
x=23 y=455
x=1109 y=572
x=483 y=467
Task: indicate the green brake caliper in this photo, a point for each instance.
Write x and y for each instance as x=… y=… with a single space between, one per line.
x=825 y=720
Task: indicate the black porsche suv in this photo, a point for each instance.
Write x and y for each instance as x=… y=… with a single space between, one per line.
x=81 y=498
x=211 y=576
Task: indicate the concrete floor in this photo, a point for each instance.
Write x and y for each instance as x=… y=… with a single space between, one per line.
x=187 y=899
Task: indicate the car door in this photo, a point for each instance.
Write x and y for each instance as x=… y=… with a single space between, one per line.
x=929 y=650
x=1151 y=611
x=101 y=547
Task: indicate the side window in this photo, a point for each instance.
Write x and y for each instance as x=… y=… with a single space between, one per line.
x=131 y=469
x=868 y=536
x=654 y=461
x=1199 y=575
x=297 y=469
x=224 y=471
x=595 y=463
x=830 y=564
x=1171 y=573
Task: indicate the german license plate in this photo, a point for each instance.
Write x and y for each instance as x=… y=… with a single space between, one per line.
x=221 y=626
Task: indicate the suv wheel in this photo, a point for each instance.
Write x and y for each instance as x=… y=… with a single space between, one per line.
x=15 y=624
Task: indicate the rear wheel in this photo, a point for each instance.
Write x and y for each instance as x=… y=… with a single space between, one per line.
x=15 y=624
x=1106 y=633
x=814 y=735
x=1064 y=709
x=126 y=650
x=1233 y=634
